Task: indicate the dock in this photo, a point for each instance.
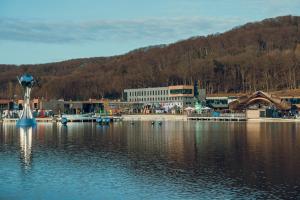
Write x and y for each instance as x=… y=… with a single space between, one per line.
x=14 y=120
x=154 y=117
x=237 y=117
x=70 y=119
x=75 y=118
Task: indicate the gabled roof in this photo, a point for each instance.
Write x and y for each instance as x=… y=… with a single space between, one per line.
x=247 y=100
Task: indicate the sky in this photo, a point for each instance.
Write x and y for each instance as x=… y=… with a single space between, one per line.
x=42 y=31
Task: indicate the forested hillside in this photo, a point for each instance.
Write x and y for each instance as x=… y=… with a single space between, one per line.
x=257 y=56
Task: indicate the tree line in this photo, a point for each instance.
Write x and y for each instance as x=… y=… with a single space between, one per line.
x=256 y=56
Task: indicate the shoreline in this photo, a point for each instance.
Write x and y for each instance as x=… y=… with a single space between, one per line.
x=154 y=117
x=165 y=117
x=273 y=120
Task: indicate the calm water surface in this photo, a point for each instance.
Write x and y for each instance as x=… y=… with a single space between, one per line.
x=178 y=160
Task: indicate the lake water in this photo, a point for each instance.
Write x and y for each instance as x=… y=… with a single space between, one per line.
x=177 y=160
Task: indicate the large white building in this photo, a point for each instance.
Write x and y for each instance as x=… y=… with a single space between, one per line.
x=166 y=97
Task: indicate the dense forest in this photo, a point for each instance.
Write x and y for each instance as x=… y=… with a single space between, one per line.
x=256 y=56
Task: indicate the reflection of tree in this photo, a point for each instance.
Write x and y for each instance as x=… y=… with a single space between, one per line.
x=26 y=146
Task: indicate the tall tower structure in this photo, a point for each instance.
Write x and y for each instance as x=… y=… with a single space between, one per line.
x=27 y=82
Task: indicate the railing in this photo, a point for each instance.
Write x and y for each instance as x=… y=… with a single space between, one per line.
x=224 y=115
x=233 y=115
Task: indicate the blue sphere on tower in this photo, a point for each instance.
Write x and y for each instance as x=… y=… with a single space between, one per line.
x=27 y=80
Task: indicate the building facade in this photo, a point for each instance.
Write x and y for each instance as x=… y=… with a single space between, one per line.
x=219 y=103
x=165 y=98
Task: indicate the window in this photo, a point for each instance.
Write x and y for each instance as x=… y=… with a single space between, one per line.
x=181 y=91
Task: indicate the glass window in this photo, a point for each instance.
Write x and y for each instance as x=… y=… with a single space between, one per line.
x=181 y=91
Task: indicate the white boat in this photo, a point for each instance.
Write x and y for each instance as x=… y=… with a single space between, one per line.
x=78 y=117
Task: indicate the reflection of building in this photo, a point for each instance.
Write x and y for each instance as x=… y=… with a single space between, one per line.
x=26 y=145
x=180 y=96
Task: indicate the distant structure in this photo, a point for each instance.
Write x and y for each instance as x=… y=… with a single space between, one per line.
x=161 y=98
x=26 y=119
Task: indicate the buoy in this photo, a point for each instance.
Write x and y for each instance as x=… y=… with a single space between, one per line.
x=99 y=120
x=64 y=120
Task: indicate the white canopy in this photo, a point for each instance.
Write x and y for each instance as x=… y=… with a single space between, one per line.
x=189 y=109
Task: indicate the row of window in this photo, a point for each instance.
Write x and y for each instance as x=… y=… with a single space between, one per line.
x=217 y=101
x=149 y=93
x=157 y=99
x=181 y=91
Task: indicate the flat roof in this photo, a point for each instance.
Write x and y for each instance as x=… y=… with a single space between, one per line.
x=163 y=87
x=5 y=101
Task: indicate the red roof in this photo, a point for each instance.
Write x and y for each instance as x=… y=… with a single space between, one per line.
x=4 y=101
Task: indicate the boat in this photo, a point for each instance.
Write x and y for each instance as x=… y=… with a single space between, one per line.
x=89 y=117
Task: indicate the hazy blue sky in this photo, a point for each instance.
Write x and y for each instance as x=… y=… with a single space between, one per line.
x=39 y=31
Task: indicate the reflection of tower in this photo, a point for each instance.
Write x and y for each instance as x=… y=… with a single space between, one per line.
x=26 y=145
x=26 y=118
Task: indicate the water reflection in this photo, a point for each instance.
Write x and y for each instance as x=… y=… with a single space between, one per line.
x=183 y=160
x=26 y=147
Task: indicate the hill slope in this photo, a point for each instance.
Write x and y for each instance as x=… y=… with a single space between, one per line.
x=257 y=56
